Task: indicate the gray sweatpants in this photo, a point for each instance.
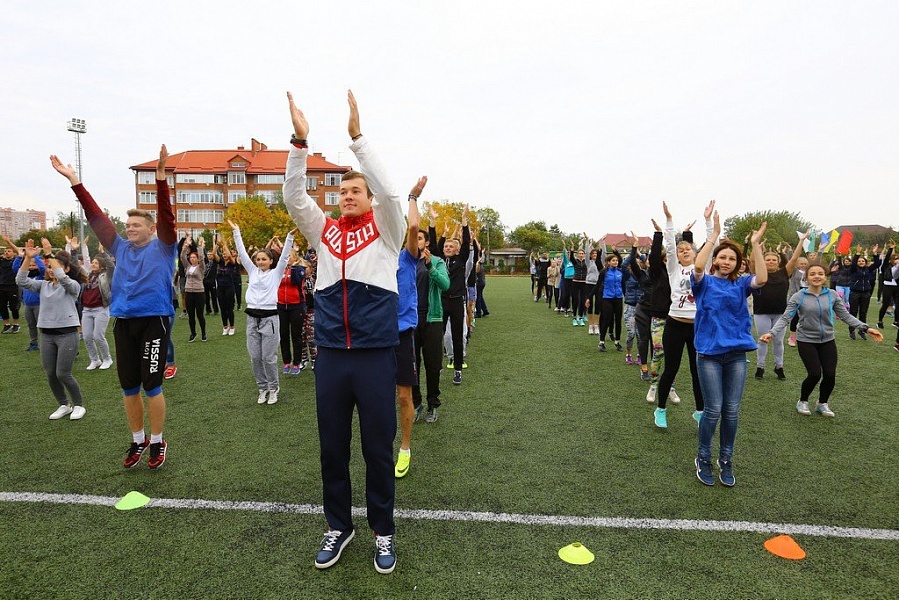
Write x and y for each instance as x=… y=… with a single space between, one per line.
x=31 y=315
x=263 y=342
x=57 y=356
x=763 y=325
x=93 y=327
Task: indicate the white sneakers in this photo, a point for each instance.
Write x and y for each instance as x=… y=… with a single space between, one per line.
x=263 y=397
x=77 y=413
x=802 y=408
x=272 y=396
x=100 y=364
x=224 y=331
x=94 y=364
x=673 y=397
x=823 y=409
x=651 y=394
x=63 y=410
x=230 y=331
x=106 y=364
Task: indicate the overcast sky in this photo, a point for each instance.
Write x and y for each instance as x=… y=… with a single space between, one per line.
x=587 y=115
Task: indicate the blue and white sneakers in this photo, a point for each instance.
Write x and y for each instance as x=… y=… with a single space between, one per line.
x=332 y=545
x=385 y=554
x=704 y=471
x=726 y=473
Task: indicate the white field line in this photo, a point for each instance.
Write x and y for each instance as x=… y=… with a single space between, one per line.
x=485 y=517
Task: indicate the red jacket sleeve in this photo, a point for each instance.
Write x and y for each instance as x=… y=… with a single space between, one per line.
x=100 y=223
x=165 y=223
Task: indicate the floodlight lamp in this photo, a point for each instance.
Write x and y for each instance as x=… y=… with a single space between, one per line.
x=77 y=126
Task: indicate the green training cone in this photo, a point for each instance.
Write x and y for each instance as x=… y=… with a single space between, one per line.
x=132 y=500
x=576 y=554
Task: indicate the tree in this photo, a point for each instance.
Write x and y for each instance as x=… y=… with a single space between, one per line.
x=258 y=221
x=782 y=226
x=449 y=214
x=492 y=233
x=533 y=237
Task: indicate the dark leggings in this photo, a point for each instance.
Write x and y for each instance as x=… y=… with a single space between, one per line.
x=212 y=304
x=541 y=288
x=291 y=325
x=194 y=303
x=578 y=297
x=889 y=296
x=820 y=360
x=677 y=335
x=454 y=312
x=595 y=300
x=9 y=304
x=610 y=322
x=226 y=305
x=858 y=305
x=642 y=320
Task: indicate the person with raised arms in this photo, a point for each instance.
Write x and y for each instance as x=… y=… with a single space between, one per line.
x=356 y=332
x=141 y=303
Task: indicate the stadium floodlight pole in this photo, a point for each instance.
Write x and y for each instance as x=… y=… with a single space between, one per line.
x=78 y=126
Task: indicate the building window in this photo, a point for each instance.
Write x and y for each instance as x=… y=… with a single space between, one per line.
x=153 y=213
x=147 y=198
x=194 y=178
x=312 y=183
x=332 y=178
x=268 y=196
x=146 y=177
x=200 y=197
x=235 y=196
x=332 y=198
x=238 y=165
x=221 y=179
x=237 y=178
x=201 y=216
x=269 y=179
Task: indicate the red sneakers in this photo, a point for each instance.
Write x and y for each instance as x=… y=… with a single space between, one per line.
x=170 y=371
x=157 y=455
x=135 y=452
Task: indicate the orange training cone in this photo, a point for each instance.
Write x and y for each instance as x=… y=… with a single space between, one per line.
x=785 y=547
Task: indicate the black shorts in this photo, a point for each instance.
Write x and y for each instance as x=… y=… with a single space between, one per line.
x=141 y=344
x=405 y=359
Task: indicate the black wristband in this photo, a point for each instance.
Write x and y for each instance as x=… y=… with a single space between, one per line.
x=413 y=197
x=357 y=136
x=46 y=256
x=299 y=143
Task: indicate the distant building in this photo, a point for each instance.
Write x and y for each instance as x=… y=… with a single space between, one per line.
x=16 y=222
x=204 y=182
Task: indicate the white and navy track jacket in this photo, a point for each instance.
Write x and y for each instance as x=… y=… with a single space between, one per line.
x=355 y=290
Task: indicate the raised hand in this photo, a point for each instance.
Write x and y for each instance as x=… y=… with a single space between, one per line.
x=690 y=226
x=666 y=211
x=31 y=250
x=426 y=254
x=67 y=171
x=756 y=235
x=353 y=125
x=707 y=213
x=74 y=242
x=47 y=247
x=233 y=224
x=419 y=187
x=300 y=124
x=716 y=228
x=655 y=225
x=160 y=166
x=634 y=238
x=432 y=214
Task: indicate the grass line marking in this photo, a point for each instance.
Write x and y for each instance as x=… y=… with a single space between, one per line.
x=485 y=517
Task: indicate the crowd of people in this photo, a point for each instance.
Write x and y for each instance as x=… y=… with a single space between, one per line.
x=704 y=301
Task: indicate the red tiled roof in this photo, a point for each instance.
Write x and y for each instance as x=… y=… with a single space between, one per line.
x=218 y=161
x=623 y=239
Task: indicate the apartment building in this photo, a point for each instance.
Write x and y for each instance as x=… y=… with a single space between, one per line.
x=204 y=183
x=16 y=222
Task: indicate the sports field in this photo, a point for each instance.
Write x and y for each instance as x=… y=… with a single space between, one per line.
x=545 y=443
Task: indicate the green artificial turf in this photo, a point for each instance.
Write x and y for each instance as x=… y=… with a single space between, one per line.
x=542 y=424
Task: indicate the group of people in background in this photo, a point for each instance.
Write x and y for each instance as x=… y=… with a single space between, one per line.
x=671 y=307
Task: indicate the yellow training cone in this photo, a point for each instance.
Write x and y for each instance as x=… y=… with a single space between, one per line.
x=785 y=547
x=132 y=500
x=576 y=554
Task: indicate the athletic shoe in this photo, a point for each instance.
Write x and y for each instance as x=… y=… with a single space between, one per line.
x=230 y=331
x=704 y=471
x=183 y=315
x=726 y=473
x=759 y=373
x=402 y=464
x=450 y=365
x=273 y=396
x=312 y=364
x=618 y=346
x=644 y=375
x=263 y=397
x=77 y=413
x=6 y=329
x=170 y=371
x=157 y=455
x=60 y=412
x=673 y=397
x=582 y=322
x=824 y=410
x=661 y=418
x=457 y=377
x=224 y=331
x=204 y=338
x=385 y=554
x=651 y=394
x=192 y=337
x=779 y=371
x=602 y=346
x=896 y=347
x=332 y=546
x=862 y=334
x=851 y=333
x=31 y=348
x=106 y=364
x=295 y=369
x=575 y=322
x=697 y=416
x=628 y=360
x=879 y=324
x=286 y=368
x=464 y=365
x=419 y=411
x=802 y=408
x=792 y=341
x=432 y=415
x=135 y=452
x=94 y=364
x=17 y=329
